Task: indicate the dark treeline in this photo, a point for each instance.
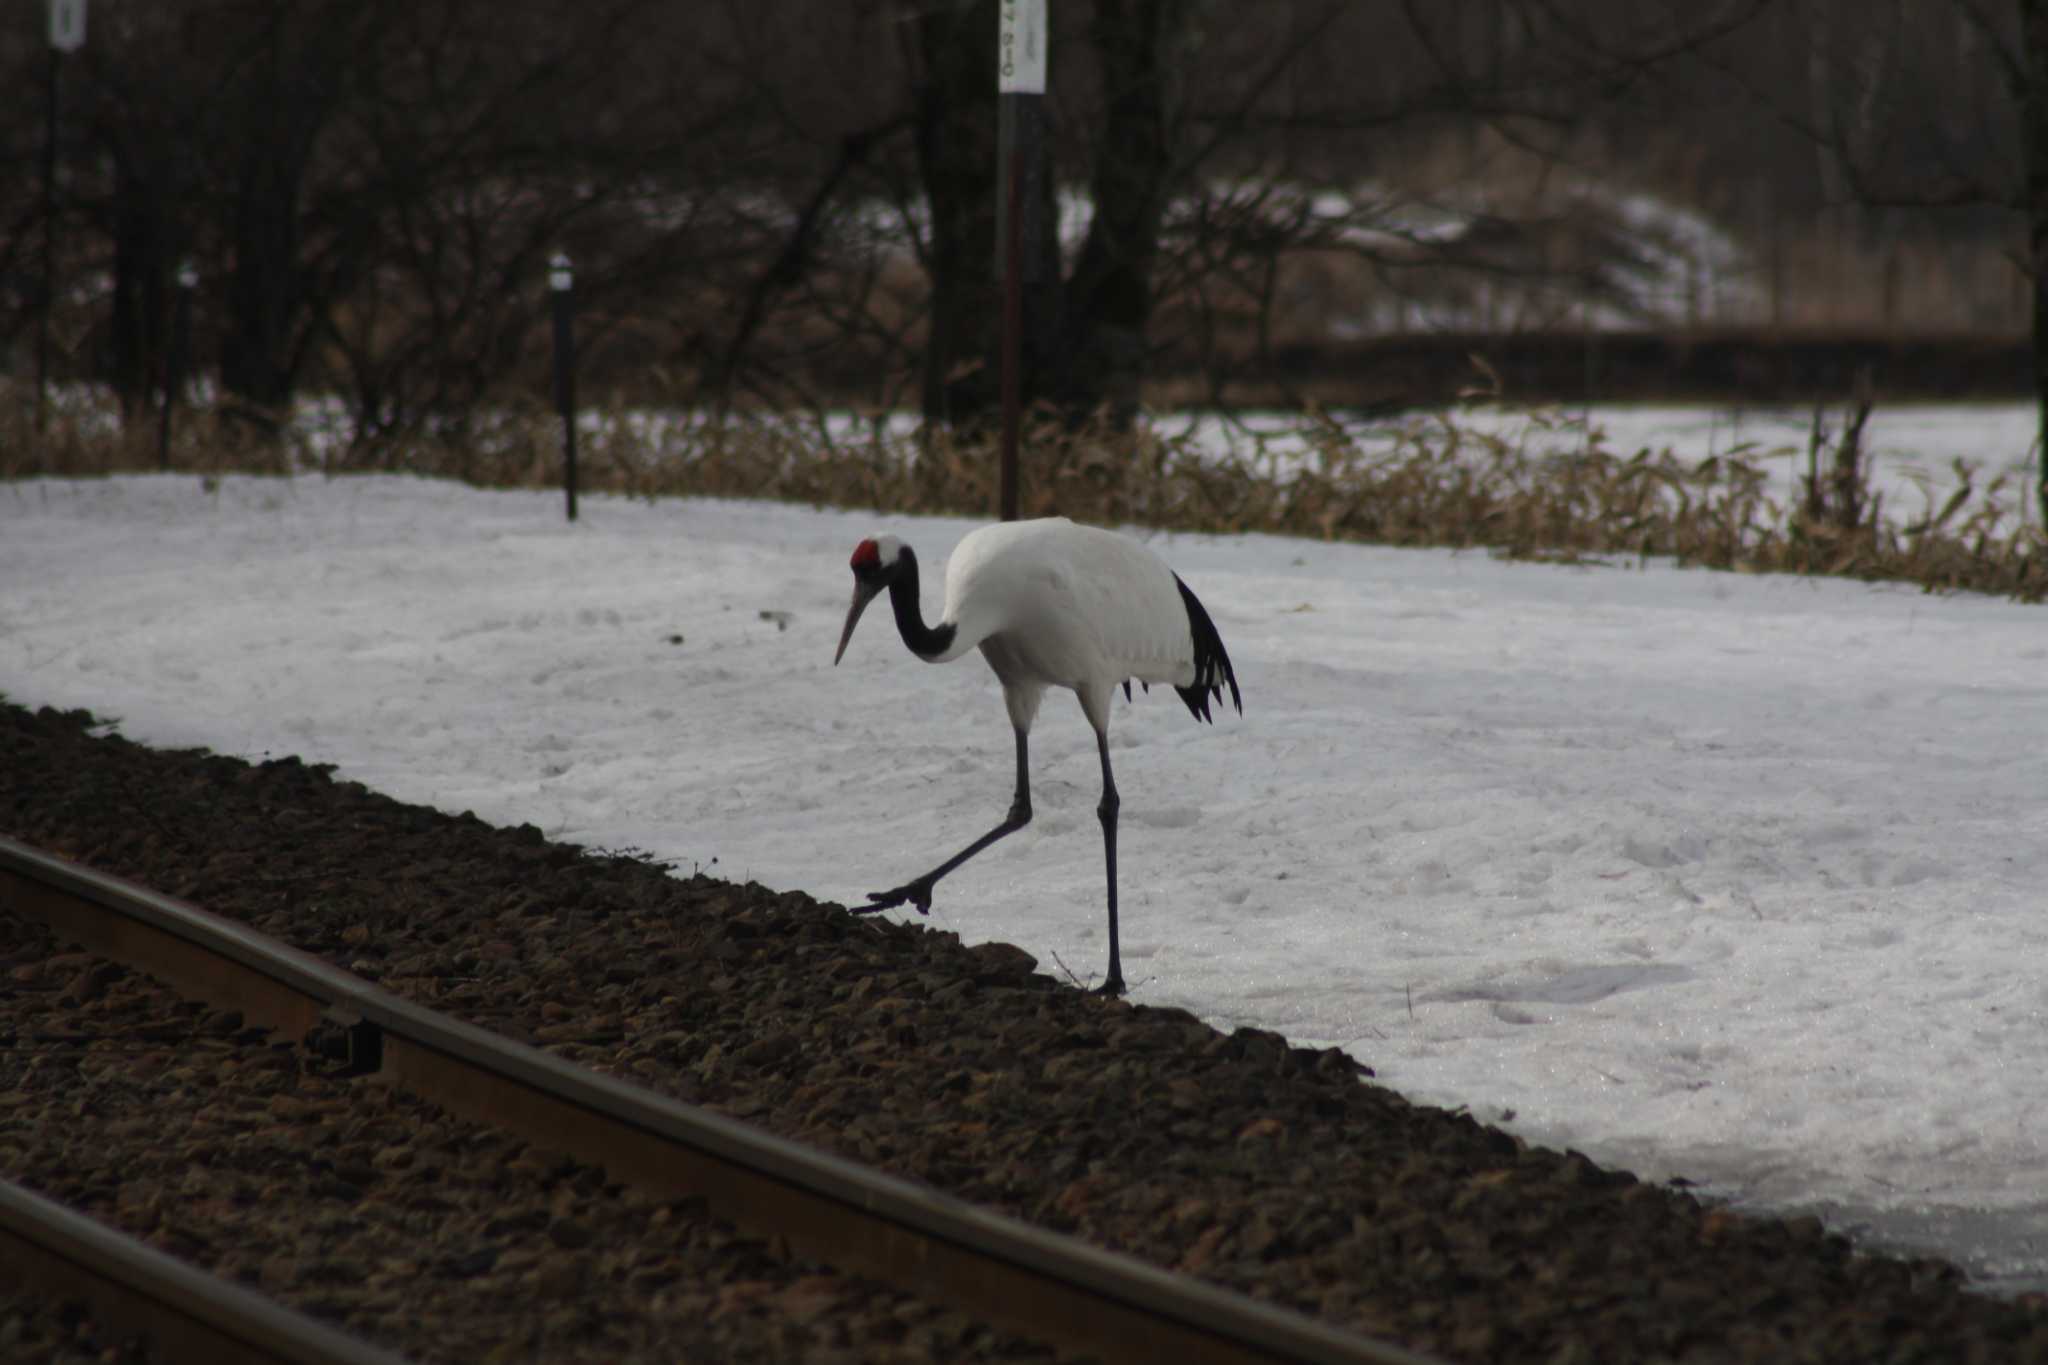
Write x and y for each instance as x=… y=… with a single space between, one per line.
x=761 y=194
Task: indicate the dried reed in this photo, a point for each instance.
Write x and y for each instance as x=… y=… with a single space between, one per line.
x=1553 y=492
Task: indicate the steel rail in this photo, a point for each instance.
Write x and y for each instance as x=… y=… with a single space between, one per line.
x=1000 y=1269
x=187 y=1313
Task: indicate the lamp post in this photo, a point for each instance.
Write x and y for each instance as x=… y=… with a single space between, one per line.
x=562 y=286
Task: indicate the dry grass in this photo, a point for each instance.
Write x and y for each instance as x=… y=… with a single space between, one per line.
x=1553 y=492
x=86 y=437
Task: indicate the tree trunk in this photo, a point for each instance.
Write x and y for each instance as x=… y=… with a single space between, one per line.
x=142 y=266
x=2034 y=129
x=295 y=81
x=1109 y=297
x=956 y=139
x=1084 y=341
x=263 y=297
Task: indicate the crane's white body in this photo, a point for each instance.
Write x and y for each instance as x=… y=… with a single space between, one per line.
x=1053 y=604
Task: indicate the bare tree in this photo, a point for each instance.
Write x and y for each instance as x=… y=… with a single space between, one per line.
x=1937 y=108
x=777 y=202
x=1219 y=146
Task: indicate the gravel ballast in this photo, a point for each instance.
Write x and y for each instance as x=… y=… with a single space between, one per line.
x=356 y=1202
x=1279 y=1171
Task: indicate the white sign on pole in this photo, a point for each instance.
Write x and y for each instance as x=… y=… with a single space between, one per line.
x=1020 y=48
x=67 y=25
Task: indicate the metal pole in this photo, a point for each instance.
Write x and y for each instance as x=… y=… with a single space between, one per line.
x=174 y=360
x=562 y=284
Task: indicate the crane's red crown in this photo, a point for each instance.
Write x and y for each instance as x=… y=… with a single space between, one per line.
x=877 y=553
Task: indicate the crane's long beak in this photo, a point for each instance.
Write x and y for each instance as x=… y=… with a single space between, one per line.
x=863 y=593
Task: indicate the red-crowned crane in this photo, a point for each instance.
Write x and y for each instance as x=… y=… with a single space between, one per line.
x=1050 y=604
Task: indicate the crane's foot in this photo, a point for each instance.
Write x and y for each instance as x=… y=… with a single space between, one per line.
x=1112 y=987
x=917 y=893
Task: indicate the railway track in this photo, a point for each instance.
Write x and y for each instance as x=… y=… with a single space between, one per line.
x=184 y=1313
x=1004 y=1271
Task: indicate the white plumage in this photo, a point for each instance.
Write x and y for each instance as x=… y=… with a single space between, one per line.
x=1053 y=604
x=1050 y=604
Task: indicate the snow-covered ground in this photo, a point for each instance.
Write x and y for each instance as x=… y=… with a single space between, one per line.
x=1727 y=877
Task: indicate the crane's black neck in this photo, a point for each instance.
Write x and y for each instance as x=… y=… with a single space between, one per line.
x=926 y=641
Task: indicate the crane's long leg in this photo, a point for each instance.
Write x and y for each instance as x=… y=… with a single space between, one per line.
x=1113 y=984
x=918 y=891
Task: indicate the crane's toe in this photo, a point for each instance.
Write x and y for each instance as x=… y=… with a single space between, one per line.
x=917 y=893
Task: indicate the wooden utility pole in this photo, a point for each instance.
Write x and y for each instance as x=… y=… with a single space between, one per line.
x=1021 y=42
